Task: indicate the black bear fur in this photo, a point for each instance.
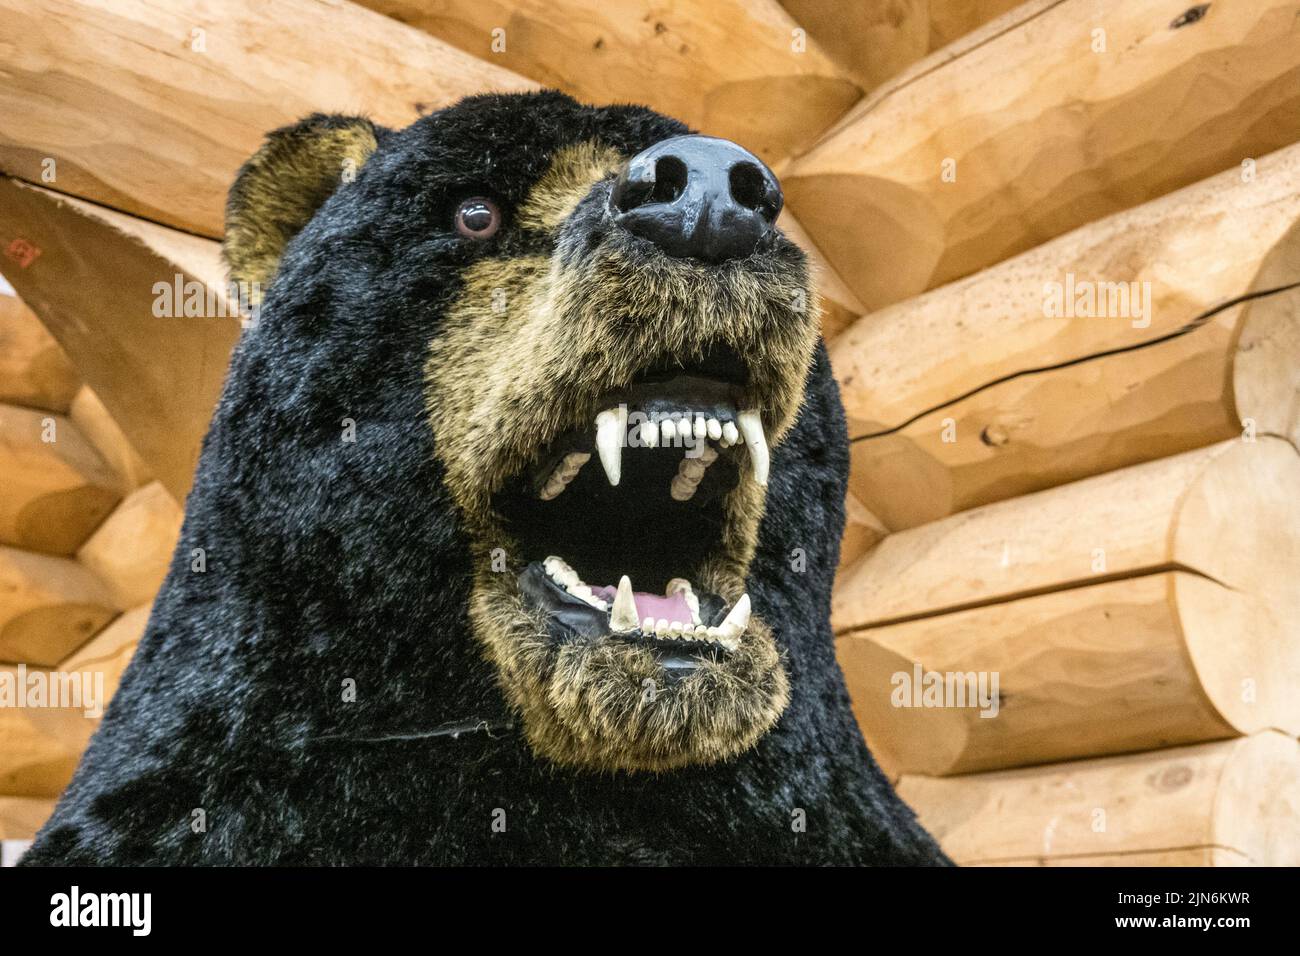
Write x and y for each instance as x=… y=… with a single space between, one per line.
x=329 y=560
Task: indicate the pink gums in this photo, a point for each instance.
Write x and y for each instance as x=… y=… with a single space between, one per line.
x=657 y=606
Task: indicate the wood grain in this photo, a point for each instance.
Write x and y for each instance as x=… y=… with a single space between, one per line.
x=150 y=106
x=34 y=372
x=57 y=487
x=48 y=607
x=157 y=375
x=1138 y=609
x=729 y=68
x=130 y=552
x=1230 y=803
x=975 y=393
x=1044 y=135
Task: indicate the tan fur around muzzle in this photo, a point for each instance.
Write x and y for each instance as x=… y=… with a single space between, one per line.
x=529 y=349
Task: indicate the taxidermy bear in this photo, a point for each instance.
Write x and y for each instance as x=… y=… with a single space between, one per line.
x=517 y=522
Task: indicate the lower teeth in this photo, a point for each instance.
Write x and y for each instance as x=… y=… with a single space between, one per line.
x=625 y=619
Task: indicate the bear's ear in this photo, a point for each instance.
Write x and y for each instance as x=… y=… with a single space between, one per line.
x=280 y=188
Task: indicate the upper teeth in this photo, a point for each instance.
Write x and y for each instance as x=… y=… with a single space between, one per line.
x=751 y=427
x=611 y=425
x=611 y=435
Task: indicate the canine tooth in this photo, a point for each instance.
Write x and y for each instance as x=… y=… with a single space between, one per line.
x=667 y=432
x=650 y=434
x=611 y=427
x=736 y=622
x=661 y=628
x=729 y=434
x=701 y=429
x=622 y=618
x=714 y=428
x=751 y=424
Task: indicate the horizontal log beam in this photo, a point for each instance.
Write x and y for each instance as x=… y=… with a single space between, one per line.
x=21 y=817
x=874 y=40
x=1031 y=133
x=1230 y=803
x=57 y=487
x=150 y=106
x=48 y=607
x=40 y=746
x=731 y=68
x=1144 y=607
x=1029 y=390
x=131 y=550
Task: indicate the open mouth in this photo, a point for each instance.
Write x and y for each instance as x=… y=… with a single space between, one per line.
x=623 y=520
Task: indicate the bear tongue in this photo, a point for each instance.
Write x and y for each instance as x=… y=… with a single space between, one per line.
x=672 y=607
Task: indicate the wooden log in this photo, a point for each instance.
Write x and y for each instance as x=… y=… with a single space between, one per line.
x=48 y=607
x=839 y=307
x=34 y=372
x=862 y=532
x=158 y=375
x=150 y=106
x=1151 y=606
x=41 y=745
x=103 y=433
x=21 y=817
x=874 y=40
x=733 y=68
x=1029 y=388
x=1030 y=133
x=109 y=651
x=1229 y=803
x=57 y=488
x=131 y=550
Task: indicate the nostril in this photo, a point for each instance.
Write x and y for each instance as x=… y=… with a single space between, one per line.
x=637 y=189
x=670 y=179
x=749 y=188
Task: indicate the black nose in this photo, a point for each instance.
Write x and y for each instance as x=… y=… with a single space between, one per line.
x=698 y=197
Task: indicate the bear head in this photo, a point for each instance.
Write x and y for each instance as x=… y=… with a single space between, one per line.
x=612 y=342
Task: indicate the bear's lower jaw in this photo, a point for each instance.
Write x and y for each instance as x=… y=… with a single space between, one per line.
x=681 y=624
x=609 y=702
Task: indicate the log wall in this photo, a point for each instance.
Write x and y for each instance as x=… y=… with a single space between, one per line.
x=1059 y=273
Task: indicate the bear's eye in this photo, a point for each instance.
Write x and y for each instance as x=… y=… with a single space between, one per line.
x=478 y=218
